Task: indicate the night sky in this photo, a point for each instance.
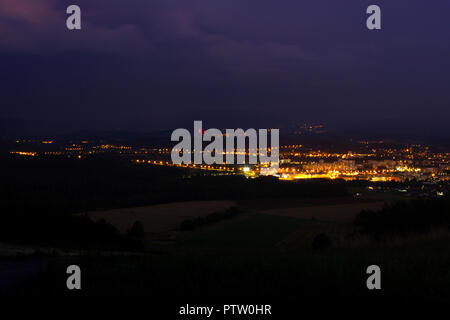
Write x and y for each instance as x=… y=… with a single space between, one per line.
x=148 y=65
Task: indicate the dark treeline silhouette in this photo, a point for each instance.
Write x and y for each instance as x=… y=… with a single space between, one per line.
x=65 y=185
x=406 y=217
x=191 y=224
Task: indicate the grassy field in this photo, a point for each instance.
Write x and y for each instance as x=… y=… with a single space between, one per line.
x=256 y=231
x=271 y=232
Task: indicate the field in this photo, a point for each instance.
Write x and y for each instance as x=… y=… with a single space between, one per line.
x=256 y=231
x=265 y=224
x=255 y=255
x=285 y=224
x=160 y=218
x=267 y=232
x=336 y=213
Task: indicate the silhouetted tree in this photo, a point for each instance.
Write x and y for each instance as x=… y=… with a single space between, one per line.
x=321 y=241
x=137 y=230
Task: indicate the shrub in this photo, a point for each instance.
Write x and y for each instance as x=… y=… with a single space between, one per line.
x=321 y=241
x=137 y=230
x=187 y=225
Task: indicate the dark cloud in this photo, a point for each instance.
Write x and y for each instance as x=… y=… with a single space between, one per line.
x=150 y=65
